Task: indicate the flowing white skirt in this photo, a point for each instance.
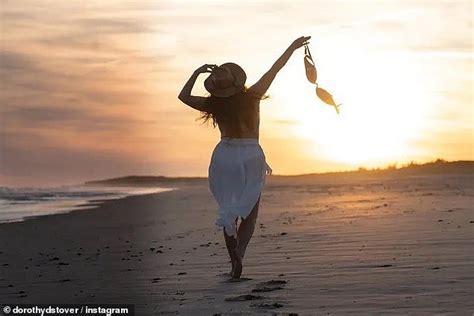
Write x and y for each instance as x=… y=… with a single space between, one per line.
x=237 y=174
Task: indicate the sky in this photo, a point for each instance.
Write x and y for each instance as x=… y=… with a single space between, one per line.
x=89 y=88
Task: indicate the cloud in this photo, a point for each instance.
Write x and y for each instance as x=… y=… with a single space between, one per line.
x=43 y=114
x=88 y=83
x=70 y=118
x=10 y=61
x=53 y=163
x=113 y=25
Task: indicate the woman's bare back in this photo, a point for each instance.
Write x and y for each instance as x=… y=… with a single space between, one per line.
x=248 y=128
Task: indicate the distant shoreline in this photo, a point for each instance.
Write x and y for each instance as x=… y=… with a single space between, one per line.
x=437 y=167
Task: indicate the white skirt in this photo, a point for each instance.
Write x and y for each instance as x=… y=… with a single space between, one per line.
x=237 y=174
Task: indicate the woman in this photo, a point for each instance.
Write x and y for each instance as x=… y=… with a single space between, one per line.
x=238 y=168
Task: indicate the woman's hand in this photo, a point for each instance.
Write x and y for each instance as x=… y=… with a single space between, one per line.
x=300 y=42
x=205 y=68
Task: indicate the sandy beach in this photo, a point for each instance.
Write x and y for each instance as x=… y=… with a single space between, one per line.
x=330 y=244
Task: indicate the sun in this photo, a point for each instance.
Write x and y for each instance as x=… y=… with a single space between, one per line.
x=383 y=105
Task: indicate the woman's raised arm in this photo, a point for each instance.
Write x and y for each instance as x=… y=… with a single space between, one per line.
x=185 y=96
x=261 y=87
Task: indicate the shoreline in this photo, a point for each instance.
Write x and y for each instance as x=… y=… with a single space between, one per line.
x=72 y=205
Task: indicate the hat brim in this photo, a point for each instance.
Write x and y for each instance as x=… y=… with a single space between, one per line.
x=240 y=78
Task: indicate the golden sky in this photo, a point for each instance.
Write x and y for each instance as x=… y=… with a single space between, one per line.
x=89 y=88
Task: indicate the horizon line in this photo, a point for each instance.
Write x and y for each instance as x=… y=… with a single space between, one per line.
x=390 y=167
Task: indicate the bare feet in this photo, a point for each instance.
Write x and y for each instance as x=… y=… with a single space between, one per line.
x=237 y=270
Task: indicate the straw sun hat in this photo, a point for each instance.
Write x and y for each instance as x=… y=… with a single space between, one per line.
x=225 y=80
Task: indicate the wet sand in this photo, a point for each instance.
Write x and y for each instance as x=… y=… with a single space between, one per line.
x=323 y=244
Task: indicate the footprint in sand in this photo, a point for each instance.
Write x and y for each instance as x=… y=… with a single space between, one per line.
x=236 y=280
x=269 y=286
x=241 y=298
x=266 y=286
x=155 y=280
x=267 y=305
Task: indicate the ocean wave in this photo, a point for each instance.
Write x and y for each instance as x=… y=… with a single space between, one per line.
x=17 y=204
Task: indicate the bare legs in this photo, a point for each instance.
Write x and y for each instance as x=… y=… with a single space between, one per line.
x=237 y=246
x=246 y=229
x=231 y=244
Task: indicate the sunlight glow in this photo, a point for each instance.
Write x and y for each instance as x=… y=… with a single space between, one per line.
x=381 y=113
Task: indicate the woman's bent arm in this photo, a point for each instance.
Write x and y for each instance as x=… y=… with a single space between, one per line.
x=185 y=96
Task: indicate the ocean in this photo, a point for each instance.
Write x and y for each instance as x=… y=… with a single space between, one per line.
x=19 y=204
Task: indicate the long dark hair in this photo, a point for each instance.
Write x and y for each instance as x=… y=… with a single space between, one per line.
x=233 y=111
